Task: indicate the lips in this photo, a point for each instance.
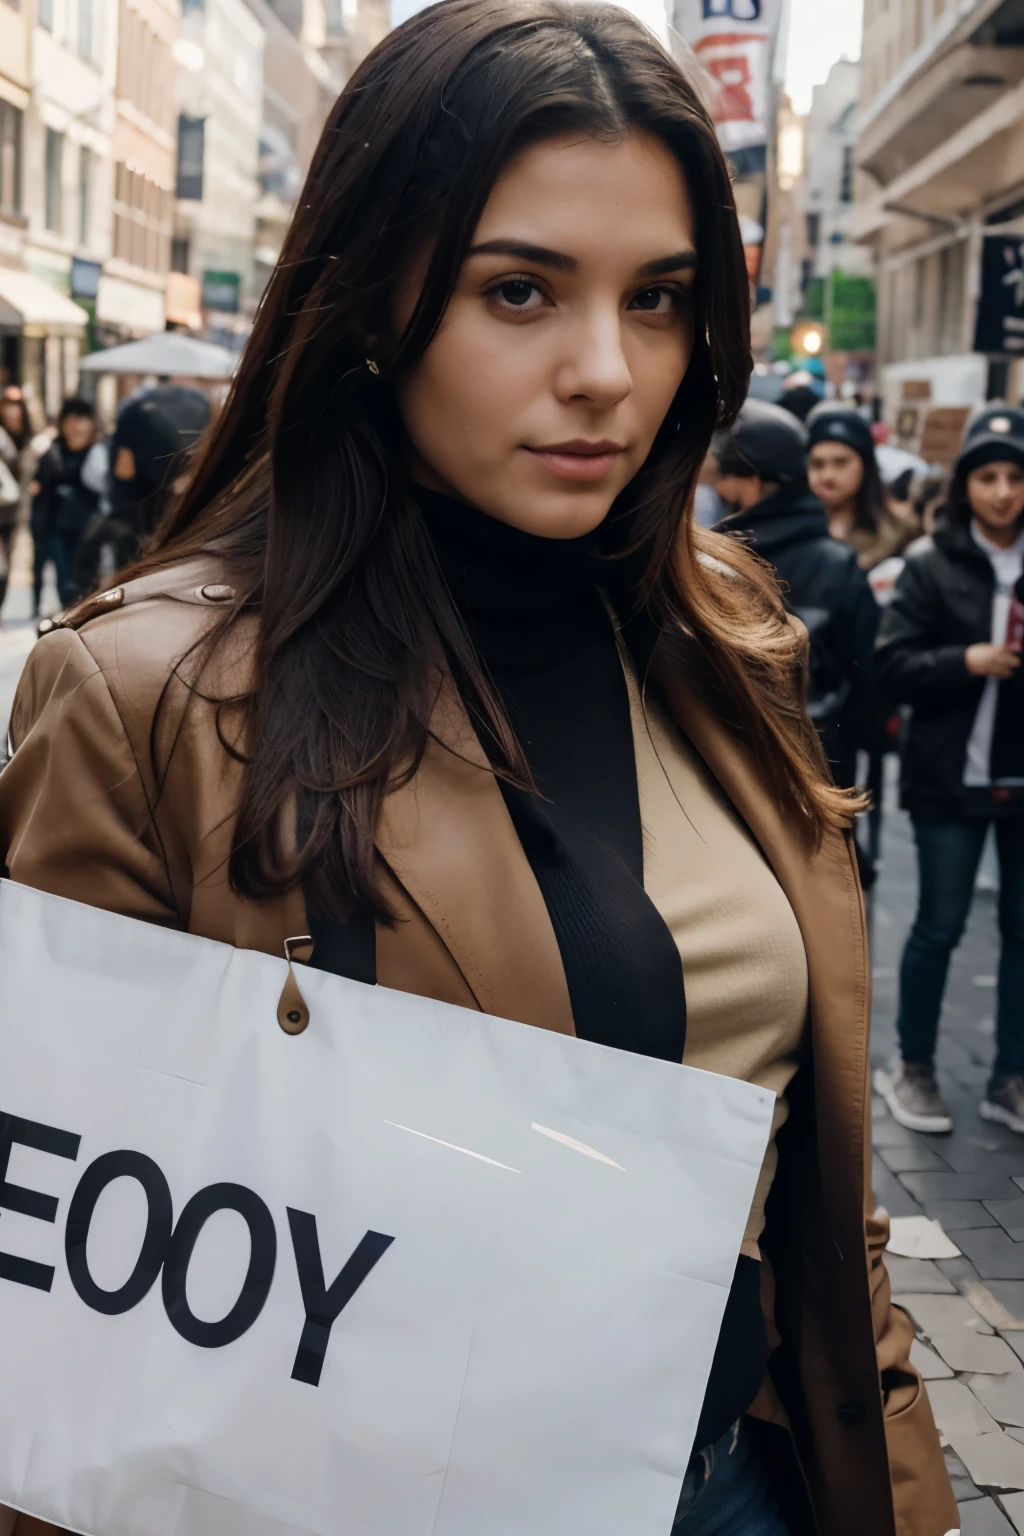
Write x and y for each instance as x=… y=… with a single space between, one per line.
x=579 y=459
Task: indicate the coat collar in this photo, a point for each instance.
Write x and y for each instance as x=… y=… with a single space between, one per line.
x=447 y=837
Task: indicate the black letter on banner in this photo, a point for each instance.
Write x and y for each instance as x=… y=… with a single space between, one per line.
x=29 y=1202
x=323 y=1305
x=262 y=1258
x=111 y=1166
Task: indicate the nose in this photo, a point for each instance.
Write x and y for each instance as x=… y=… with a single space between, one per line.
x=594 y=367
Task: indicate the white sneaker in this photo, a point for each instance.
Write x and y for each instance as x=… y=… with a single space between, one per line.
x=913 y=1098
x=1004 y=1102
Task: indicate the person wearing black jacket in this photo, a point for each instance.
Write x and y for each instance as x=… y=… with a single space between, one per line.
x=62 y=504
x=762 y=477
x=949 y=647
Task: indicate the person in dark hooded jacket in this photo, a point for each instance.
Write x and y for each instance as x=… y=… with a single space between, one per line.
x=949 y=650
x=762 y=479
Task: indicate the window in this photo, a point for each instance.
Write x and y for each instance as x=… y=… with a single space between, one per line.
x=191 y=145
x=10 y=158
x=846 y=176
x=44 y=14
x=142 y=219
x=84 y=193
x=179 y=253
x=86 y=30
x=53 y=189
x=813 y=229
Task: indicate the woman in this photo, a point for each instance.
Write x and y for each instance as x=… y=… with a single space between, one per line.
x=949 y=646
x=430 y=663
x=843 y=474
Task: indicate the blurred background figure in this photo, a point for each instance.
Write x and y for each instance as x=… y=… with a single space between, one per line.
x=15 y=434
x=842 y=471
x=62 y=501
x=761 y=476
x=144 y=459
x=950 y=648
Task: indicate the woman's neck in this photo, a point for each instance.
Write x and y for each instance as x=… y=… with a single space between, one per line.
x=528 y=602
x=1002 y=538
x=841 y=519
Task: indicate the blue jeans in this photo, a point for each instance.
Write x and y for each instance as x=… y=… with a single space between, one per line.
x=948 y=854
x=726 y=1492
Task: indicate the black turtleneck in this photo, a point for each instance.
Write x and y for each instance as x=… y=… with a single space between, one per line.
x=534 y=611
x=541 y=630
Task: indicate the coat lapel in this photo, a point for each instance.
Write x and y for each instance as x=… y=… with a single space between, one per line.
x=448 y=839
x=824 y=892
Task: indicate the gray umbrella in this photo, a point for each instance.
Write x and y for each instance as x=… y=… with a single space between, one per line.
x=168 y=354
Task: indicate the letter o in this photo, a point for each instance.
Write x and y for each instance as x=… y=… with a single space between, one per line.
x=111 y=1166
x=260 y=1274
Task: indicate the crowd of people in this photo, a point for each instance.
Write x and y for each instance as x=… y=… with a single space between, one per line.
x=88 y=500
x=936 y=666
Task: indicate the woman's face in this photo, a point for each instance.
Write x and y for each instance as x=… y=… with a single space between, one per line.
x=996 y=494
x=11 y=415
x=566 y=338
x=835 y=474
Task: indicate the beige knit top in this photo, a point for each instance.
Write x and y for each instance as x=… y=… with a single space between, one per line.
x=744 y=966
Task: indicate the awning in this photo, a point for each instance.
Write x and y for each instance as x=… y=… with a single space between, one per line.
x=28 y=300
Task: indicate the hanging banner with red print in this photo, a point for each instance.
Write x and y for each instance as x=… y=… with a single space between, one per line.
x=734 y=41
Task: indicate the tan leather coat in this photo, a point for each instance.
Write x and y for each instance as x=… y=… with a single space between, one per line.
x=84 y=814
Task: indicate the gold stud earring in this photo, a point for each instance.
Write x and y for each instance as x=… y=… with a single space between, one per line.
x=372 y=366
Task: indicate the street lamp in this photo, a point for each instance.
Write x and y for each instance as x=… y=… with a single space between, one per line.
x=807 y=338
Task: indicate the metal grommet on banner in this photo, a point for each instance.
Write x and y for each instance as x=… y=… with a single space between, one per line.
x=292 y=1012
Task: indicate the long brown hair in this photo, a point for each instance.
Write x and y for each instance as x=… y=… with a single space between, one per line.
x=300 y=486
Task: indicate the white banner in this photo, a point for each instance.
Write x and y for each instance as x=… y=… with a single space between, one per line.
x=417 y=1271
x=734 y=41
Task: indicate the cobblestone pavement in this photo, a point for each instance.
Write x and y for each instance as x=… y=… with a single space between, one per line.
x=968 y=1310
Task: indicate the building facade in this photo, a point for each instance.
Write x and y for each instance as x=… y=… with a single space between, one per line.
x=57 y=67
x=831 y=140
x=15 y=88
x=300 y=86
x=220 y=56
x=939 y=172
x=132 y=296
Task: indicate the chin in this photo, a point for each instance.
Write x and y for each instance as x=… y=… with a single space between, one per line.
x=569 y=511
x=558 y=516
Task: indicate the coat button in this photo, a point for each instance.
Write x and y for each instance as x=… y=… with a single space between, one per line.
x=852 y=1412
x=215 y=592
x=112 y=599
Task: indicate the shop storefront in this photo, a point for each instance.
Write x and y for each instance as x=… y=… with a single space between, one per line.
x=42 y=334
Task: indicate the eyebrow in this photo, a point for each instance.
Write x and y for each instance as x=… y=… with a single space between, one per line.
x=540 y=255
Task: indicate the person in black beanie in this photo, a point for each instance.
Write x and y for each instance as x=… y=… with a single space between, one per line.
x=842 y=471
x=762 y=477
x=950 y=647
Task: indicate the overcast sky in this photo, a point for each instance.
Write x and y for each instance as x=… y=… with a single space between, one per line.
x=820 y=32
